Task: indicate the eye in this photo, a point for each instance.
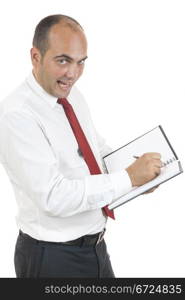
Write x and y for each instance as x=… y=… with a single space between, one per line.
x=62 y=61
x=82 y=62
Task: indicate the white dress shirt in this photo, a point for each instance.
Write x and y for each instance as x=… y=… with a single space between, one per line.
x=57 y=198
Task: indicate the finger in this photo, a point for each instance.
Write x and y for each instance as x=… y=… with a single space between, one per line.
x=150 y=191
x=158 y=163
x=155 y=155
x=157 y=171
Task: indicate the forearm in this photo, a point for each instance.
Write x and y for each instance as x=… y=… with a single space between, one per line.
x=33 y=167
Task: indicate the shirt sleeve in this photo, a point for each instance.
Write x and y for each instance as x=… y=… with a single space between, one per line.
x=32 y=166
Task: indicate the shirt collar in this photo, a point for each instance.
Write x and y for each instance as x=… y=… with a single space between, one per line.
x=37 y=88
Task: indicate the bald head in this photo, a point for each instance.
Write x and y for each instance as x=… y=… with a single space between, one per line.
x=42 y=30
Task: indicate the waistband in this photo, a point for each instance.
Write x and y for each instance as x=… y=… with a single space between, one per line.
x=86 y=240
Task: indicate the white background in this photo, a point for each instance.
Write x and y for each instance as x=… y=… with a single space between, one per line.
x=134 y=80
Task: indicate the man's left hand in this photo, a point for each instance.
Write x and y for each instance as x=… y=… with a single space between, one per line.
x=151 y=190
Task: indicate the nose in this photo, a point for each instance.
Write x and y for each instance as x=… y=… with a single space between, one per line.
x=72 y=71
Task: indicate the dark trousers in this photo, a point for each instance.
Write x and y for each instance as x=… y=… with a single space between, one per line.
x=38 y=259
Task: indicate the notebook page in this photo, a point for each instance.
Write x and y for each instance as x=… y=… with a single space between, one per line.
x=153 y=141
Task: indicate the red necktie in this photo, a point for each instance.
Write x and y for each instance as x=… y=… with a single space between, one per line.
x=83 y=144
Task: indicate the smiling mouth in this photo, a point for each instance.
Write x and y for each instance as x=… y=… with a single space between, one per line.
x=64 y=85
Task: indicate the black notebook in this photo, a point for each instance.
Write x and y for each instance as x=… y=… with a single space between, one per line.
x=154 y=140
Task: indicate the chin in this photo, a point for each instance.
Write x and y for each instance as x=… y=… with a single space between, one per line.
x=64 y=95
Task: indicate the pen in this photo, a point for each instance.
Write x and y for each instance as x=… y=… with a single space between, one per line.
x=134 y=156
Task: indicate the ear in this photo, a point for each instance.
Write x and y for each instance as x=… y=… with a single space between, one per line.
x=35 y=56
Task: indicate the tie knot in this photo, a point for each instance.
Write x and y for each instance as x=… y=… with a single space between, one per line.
x=62 y=101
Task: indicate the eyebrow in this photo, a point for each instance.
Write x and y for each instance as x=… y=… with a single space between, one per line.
x=68 y=57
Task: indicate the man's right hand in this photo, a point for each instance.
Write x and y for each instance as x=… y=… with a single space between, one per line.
x=145 y=168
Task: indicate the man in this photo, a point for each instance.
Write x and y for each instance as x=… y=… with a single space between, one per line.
x=62 y=190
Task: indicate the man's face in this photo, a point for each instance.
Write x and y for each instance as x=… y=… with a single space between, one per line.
x=63 y=62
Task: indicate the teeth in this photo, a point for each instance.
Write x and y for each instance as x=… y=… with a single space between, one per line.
x=62 y=83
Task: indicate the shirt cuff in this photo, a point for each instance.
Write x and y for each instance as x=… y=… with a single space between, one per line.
x=121 y=183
